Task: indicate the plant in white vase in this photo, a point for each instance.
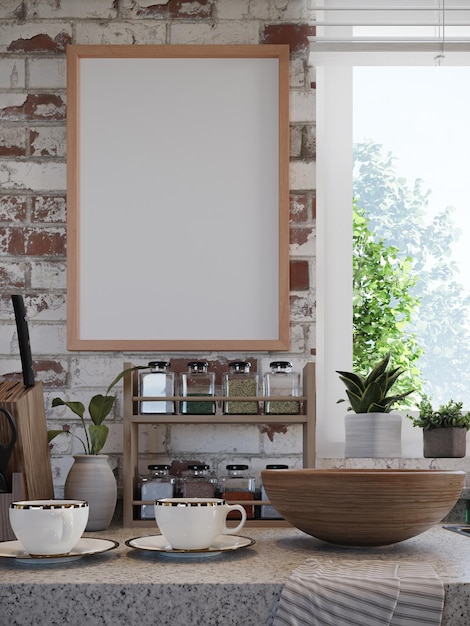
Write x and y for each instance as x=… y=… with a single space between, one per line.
x=374 y=431
x=99 y=408
x=91 y=477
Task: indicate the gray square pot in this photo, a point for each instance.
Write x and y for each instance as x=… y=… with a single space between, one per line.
x=444 y=442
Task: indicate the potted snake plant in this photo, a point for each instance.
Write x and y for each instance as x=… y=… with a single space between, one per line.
x=373 y=430
x=444 y=429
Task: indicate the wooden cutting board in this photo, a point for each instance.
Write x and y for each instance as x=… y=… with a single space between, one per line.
x=31 y=455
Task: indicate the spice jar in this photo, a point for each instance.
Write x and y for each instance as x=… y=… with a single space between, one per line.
x=238 y=485
x=157 y=484
x=158 y=382
x=239 y=381
x=267 y=510
x=198 y=381
x=281 y=381
x=198 y=482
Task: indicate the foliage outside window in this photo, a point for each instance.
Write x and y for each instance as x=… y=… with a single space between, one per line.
x=407 y=297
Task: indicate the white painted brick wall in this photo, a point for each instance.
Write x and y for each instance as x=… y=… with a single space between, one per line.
x=26 y=72
x=47 y=74
x=12 y=73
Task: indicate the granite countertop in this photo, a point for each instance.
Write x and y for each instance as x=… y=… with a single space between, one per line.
x=240 y=588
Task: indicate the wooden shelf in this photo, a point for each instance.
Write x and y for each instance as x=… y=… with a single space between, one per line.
x=132 y=419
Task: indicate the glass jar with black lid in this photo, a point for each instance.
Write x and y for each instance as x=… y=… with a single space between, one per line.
x=156 y=484
x=281 y=381
x=237 y=485
x=240 y=381
x=197 y=381
x=159 y=382
x=198 y=482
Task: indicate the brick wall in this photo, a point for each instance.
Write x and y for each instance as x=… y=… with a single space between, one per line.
x=33 y=39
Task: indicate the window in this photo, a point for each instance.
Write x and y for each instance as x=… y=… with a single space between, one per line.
x=334 y=61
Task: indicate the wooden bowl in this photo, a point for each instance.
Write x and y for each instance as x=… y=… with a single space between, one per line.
x=363 y=507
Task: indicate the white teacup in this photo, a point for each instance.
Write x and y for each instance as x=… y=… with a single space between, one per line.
x=48 y=527
x=194 y=523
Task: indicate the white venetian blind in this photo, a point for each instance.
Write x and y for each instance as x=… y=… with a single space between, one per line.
x=424 y=31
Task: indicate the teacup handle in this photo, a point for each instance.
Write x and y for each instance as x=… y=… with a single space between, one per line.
x=67 y=524
x=234 y=507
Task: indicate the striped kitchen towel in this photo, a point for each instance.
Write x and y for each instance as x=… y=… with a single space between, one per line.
x=361 y=593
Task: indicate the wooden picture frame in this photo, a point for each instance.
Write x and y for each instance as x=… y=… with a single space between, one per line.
x=178 y=197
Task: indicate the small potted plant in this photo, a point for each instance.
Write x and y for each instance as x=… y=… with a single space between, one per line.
x=91 y=477
x=373 y=431
x=444 y=429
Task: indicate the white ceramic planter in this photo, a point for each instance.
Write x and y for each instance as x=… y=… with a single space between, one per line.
x=91 y=478
x=372 y=435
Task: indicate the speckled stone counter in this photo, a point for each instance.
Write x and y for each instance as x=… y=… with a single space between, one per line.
x=241 y=588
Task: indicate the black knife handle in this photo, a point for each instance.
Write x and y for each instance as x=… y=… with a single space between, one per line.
x=23 y=340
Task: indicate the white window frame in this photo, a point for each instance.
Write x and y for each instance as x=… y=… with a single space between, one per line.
x=334 y=229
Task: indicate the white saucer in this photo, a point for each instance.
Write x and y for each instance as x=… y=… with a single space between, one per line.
x=158 y=543
x=85 y=547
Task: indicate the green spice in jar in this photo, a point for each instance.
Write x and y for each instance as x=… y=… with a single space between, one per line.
x=282 y=381
x=240 y=382
x=197 y=381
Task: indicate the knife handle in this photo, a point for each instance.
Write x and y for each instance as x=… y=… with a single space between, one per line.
x=23 y=340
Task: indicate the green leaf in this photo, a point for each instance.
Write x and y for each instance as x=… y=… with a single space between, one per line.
x=76 y=407
x=98 y=436
x=124 y=372
x=99 y=408
x=52 y=434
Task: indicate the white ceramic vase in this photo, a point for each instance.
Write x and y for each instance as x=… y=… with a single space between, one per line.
x=372 y=435
x=91 y=478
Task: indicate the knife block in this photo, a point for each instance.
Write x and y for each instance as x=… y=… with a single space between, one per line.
x=30 y=455
x=17 y=493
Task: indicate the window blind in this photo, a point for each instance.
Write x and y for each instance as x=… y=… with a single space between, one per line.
x=436 y=31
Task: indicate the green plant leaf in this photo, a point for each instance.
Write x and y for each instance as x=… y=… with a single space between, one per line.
x=98 y=436
x=124 y=372
x=99 y=408
x=76 y=407
x=378 y=370
x=52 y=434
x=354 y=382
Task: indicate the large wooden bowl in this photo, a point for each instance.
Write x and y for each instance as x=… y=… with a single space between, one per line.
x=363 y=507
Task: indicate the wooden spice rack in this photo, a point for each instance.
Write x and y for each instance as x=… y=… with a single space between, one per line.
x=132 y=419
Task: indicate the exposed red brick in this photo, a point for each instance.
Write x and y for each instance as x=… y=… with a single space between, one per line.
x=12 y=377
x=12 y=241
x=41 y=43
x=36 y=107
x=47 y=142
x=36 y=304
x=13 y=208
x=51 y=373
x=45 y=243
x=298 y=208
x=314 y=208
x=12 y=277
x=48 y=209
x=12 y=146
x=299 y=275
x=296 y=35
x=300 y=236
x=271 y=429
x=195 y=9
